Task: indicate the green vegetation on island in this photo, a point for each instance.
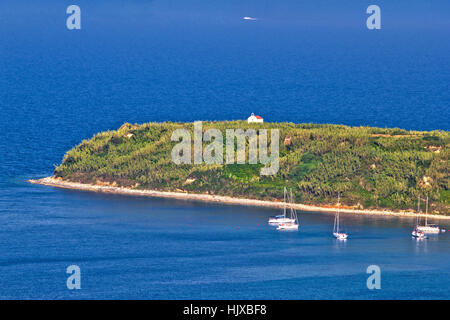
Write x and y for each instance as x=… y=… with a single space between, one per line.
x=369 y=167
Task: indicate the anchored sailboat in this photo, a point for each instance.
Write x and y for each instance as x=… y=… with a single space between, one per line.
x=427 y=228
x=282 y=218
x=416 y=233
x=293 y=224
x=338 y=235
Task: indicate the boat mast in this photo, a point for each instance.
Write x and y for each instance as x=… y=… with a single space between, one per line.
x=284 y=211
x=339 y=206
x=334 y=226
x=418 y=210
x=426 y=213
x=293 y=213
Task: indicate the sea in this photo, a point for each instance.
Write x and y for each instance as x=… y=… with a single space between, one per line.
x=150 y=61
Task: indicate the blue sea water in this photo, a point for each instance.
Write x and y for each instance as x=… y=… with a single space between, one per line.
x=141 y=61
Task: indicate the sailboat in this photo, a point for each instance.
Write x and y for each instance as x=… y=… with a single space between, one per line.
x=338 y=235
x=293 y=224
x=416 y=233
x=428 y=228
x=282 y=218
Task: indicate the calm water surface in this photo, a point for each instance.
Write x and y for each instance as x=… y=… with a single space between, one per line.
x=141 y=61
x=131 y=247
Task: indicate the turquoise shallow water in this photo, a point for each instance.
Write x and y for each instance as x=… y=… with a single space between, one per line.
x=142 y=61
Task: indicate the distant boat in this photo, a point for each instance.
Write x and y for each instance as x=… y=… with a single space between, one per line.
x=426 y=228
x=336 y=233
x=418 y=234
x=293 y=224
x=249 y=18
x=282 y=218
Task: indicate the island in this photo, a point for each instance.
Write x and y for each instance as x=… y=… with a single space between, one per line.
x=374 y=170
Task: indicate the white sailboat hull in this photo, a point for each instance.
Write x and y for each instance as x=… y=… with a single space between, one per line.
x=428 y=229
x=340 y=235
x=278 y=221
x=418 y=234
x=288 y=226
